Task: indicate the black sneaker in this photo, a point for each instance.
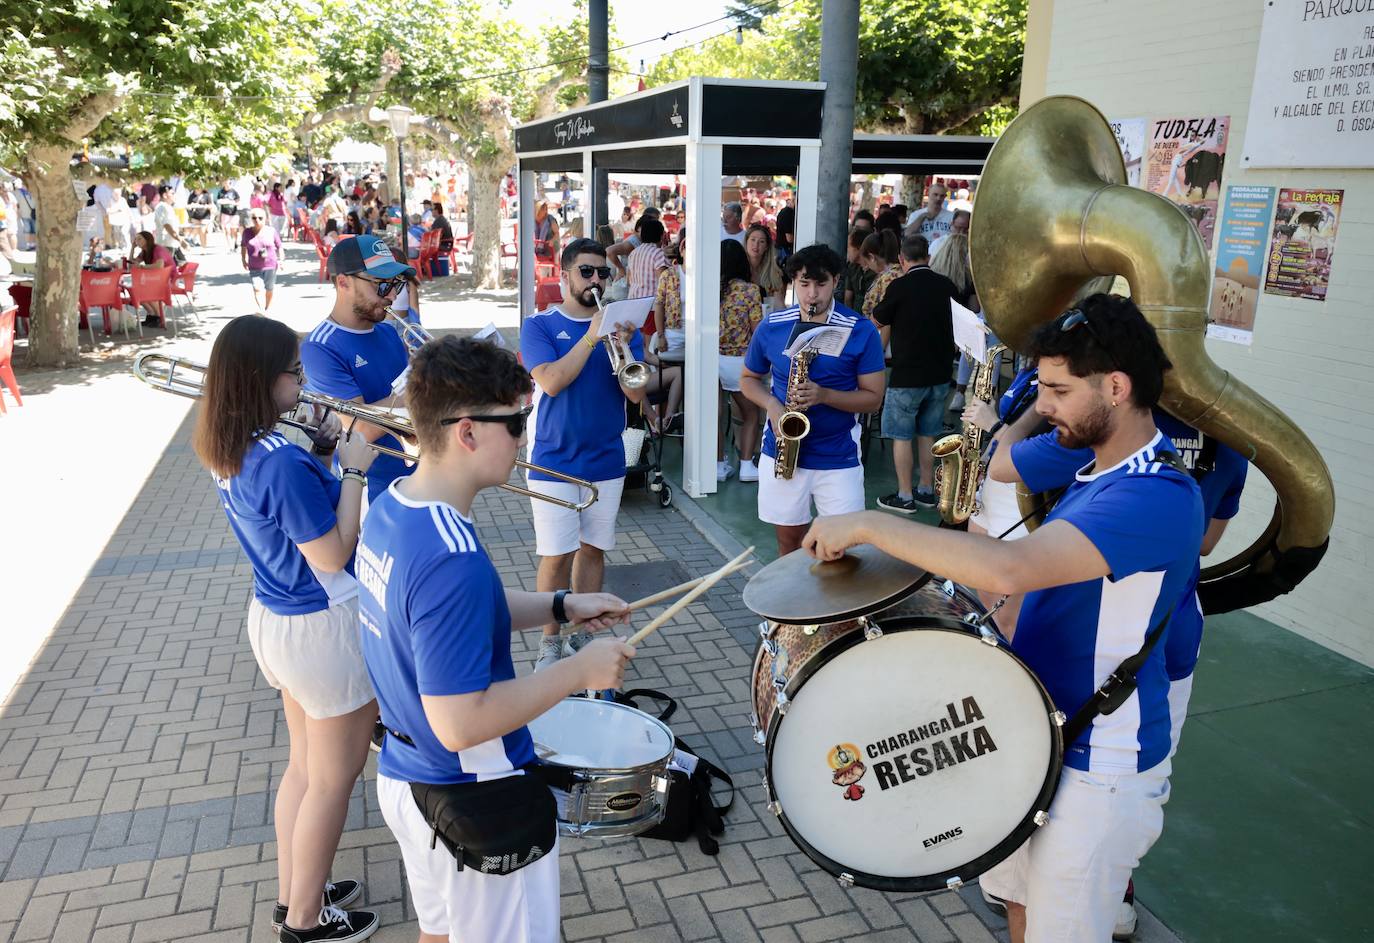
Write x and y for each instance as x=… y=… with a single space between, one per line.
x=336 y=894
x=925 y=499
x=335 y=926
x=895 y=502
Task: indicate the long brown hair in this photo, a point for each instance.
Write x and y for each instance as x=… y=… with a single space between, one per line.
x=237 y=406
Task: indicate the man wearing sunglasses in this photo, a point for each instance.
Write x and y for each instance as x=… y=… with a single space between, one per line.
x=1103 y=576
x=576 y=426
x=351 y=354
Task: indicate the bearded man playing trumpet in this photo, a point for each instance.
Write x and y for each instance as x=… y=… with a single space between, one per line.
x=1103 y=574
x=576 y=425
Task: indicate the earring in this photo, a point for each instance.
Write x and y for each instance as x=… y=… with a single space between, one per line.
x=1113 y=404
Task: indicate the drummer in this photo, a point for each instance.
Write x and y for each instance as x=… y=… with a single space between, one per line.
x=1111 y=562
x=436 y=638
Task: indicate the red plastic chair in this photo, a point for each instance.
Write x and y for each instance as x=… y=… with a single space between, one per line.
x=102 y=290
x=429 y=251
x=153 y=284
x=23 y=300
x=300 y=225
x=6 y=353
x=510 y=250
x=184 y=284
x=321 y=251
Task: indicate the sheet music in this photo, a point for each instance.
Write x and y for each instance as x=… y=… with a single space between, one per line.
x=970 y=334
x=634 y=311
x=824 y=339
x=490 y=334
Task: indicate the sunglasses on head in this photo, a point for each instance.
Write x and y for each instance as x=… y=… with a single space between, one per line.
x=515 y=422
x=601 y=271
x=385 y=286
x=1075 y=318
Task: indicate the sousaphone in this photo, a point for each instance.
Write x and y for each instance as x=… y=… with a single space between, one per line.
x=1054 y=213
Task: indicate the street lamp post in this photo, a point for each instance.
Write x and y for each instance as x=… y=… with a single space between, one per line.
x=399 y=116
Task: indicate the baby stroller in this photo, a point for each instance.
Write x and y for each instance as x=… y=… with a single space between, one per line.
x=644 y=457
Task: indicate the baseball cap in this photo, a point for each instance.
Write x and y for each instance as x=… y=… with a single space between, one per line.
x=365 y=255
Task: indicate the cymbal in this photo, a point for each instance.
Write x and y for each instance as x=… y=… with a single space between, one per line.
x=800 y=590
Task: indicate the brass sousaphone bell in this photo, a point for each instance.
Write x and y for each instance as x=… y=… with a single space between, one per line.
x=1054 y=213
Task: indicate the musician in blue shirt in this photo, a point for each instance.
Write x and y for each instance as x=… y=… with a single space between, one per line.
x=298 y=526
x=436 y=636
x=353 y=354
x=1111 y=563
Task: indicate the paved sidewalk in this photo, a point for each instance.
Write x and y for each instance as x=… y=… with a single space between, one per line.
x=139 y=754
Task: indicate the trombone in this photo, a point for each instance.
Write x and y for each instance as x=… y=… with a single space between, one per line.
x=160 y=371
x=630 y=373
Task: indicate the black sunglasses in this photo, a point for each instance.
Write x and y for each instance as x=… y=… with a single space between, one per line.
x=515 y=422
x=1075 y=318
x=384 y=286
x=586 y=271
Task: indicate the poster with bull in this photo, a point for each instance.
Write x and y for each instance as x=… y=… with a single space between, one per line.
x=1184 y=160
x=1304 y=243
x=1240 y=263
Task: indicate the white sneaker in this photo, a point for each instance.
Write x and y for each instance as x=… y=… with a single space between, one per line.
x=748 y=471
x=551 y=648
x=1125 y=921
x=724 y=470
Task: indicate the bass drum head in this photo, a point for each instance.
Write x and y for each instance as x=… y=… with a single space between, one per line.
x=915 y=757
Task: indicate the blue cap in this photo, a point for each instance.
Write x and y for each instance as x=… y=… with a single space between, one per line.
x=365 y=255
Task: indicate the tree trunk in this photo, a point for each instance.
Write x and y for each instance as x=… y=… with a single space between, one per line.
x=484 y=221
x=55 y=341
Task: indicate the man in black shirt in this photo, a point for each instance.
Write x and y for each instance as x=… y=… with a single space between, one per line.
x=915 y=316
x=442 y=224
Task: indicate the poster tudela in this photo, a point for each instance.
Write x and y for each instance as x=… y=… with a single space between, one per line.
x=1304 y=243
x=1184 y=160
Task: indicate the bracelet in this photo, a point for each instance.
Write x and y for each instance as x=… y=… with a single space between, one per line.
x=587 y=339
x=356 y=474
x=560 y=613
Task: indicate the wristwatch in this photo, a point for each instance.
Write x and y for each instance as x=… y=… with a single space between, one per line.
x=560 y=614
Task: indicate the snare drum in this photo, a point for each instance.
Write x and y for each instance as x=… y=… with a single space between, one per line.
x=906 y=752
x=613 y=761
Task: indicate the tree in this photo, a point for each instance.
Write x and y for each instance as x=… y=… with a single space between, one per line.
x=444 y=58
x=166 y=75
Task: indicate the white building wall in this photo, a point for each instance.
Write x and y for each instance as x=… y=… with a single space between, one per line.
x=1314 y=360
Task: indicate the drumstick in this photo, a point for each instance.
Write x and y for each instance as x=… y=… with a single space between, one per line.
x=661 y=595
x=706 y=583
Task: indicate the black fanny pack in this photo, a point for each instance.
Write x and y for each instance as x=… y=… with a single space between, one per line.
x=496 y=827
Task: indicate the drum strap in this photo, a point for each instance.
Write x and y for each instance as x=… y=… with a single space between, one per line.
x=1117 y=689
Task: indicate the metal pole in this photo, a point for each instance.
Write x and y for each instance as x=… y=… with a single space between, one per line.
x=401 y=180
x=839 y=72
x=598 y=60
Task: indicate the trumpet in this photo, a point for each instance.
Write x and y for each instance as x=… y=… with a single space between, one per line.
x=631 y=374
x=413 y=335
x=160 y=371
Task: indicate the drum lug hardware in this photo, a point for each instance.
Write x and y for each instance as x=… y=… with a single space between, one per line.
x=782 y=701
x=846 y=879
x=809 y=630
x=871 y=630
x=766 y=630
x=986 y=635
x=954 y=883
x=1041 y=818
x=1058 y=718
x=760 y=737
x=775 y=807
x=948 y=587
x=771 y=647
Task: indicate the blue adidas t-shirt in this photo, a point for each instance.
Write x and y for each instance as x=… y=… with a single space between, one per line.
x=833 y=441
x=1145 y=518
x=434 y=621
x=346 y=364
x=282 y=497
x=578 y=431
x=1054 y=466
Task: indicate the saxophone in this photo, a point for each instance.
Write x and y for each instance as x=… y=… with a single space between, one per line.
x=793 y=426
x=961 y=469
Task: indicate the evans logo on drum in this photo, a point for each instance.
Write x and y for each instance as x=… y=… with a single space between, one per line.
x=623 y=802
x=951 y=835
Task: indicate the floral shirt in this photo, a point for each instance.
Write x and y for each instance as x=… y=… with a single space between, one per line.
x=879 y=288
x=668 y=299
x=741 y=310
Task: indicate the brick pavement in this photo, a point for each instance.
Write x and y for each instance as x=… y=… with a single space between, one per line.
x=138 y=756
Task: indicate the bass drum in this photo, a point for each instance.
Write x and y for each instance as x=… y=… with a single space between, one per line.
x=906 y=752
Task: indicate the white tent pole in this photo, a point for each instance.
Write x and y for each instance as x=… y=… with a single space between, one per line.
x=527 y=183
x=808 y=178
x=701 y=316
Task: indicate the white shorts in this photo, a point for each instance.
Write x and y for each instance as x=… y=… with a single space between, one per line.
x=1179 y=693
x=788 y=501
x=999 y=509
x=729 y=372
x=558 y=530
x=1072 y=872
x=468 y=906
x=316 y=658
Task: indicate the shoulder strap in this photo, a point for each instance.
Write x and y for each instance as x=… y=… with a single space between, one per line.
x=1118 y=687
x=1206 y=459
